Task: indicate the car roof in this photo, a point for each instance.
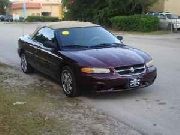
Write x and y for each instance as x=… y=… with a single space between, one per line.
x=65 y=24
x=70 y=24
x=166 y=13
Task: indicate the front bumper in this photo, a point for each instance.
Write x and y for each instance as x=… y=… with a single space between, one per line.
x=114 y=82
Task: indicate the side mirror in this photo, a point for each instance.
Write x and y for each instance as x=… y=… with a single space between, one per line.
x=120 y=38
x=50 y=45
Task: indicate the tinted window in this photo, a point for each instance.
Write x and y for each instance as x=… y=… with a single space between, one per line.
x=44 y=34
x=162 y=16
x=156 y=14
x=171 y=16
x=150 y=13
x=88 y=36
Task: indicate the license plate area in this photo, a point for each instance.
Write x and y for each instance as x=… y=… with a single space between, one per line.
x=134 y=82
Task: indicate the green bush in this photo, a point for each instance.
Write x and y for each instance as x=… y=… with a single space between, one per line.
x=141 y=23
x=102 y=17
x=42 y=19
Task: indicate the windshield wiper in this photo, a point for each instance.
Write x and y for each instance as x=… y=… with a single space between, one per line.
x=75 y=46
x=106 y=45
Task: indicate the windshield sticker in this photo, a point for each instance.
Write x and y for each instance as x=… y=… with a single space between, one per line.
x=65 y=33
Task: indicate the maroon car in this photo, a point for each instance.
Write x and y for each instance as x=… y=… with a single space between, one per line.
x=85 y=57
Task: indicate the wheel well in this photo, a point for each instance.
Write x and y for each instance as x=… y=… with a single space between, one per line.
x=21 y=51
x=170 y=24
x=65 y=65
x=61 y=67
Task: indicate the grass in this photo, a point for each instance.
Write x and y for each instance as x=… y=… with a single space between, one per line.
x=27 y=118
x=2 y=65
x=46 y=110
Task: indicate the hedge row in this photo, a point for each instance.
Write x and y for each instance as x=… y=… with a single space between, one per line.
x=42 y=19
x=141 y=23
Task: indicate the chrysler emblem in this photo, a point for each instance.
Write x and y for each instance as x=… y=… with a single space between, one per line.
x=131 y=69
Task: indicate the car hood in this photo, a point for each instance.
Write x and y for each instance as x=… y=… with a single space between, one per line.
x=108 y=57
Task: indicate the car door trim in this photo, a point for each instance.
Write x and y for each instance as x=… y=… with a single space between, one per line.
x=43 y=49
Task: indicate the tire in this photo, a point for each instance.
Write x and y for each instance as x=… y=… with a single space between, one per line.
x=68 y=82
x=25 y=66
x=170 y=26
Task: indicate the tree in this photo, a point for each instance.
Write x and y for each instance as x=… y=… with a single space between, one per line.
x=144 y=4
x=3 y=5
x=100 y=11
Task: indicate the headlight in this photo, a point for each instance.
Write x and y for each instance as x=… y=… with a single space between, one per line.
x=150 y=63
x=95 y=70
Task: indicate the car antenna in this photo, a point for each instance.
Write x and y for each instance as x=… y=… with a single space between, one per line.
x=24 y=13
x=23 y=29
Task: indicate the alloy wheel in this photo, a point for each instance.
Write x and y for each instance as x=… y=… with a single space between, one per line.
x=23 y=63
x=67 y=81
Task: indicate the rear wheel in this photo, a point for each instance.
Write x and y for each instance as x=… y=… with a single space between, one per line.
x=68 y=82
x=25 y=66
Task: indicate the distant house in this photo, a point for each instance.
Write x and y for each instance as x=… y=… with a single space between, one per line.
x=37 y=8
x=167 y=6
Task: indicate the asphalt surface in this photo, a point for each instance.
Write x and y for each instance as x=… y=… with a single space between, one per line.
x=151 y=111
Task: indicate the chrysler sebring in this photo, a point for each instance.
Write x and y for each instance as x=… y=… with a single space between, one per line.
x=85 y=57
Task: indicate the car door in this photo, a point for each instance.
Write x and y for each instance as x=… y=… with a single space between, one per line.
x=162 y=21
x=47 y=59
x=30 y=48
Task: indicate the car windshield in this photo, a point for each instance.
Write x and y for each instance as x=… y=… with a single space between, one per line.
x=87 y=37
x=171 y=16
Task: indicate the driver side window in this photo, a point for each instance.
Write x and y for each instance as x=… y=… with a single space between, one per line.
x=162 y=17
x=44 y=35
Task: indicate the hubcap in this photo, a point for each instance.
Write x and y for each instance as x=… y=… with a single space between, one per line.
x=23 y=63
x=66 y=80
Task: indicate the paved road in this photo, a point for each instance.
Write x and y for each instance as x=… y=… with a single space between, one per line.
x=151 y=111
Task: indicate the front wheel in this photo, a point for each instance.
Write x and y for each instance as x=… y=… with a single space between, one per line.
x=25 y=66
x=68 y=82
x=170 y=27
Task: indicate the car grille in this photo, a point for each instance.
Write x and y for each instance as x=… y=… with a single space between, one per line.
x=131 y=70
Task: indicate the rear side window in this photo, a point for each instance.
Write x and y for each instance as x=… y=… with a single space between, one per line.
x=44 y=34
x=150 y=13
x=162 y=16
x=156 y=14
